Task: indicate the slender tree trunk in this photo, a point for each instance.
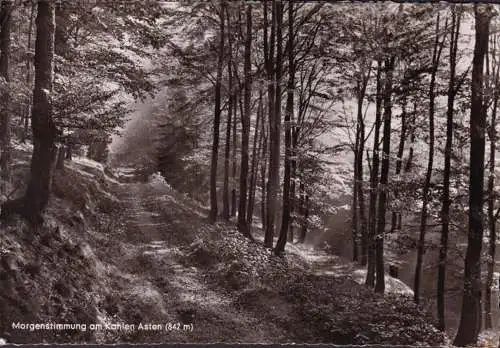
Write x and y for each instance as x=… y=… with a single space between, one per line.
x=245 y=122
x=470 y=319
x=430 y=161
x=5 y=29
x=285 y=222
x=305 y=209
x=293 y=177
x=396 y=215
x=274 y=128
x=374 y=180
x=445 y=208
x=384 y=176
x=257 y=145
x=354 y=206
x=227 y=153
x=233 y=160
x=263 y=176
x=216 y=126
x=269 y=43
x=359 y=168
x=28 y=75
x=409 y=161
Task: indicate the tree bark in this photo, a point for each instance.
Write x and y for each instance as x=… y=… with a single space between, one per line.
x=470 y=318
x=28 y=75
x=374 y=180
x=216 y=126
x=285 y=222
x=396 y=215
x=227 y=152
x=491 y=205
x=354 y=206
x=445 y=208
x=359 y=168
x=257 y=145
x=384 y=176
x=245 y=122
x=305 y=210
x=5 y=29
x=233 y=160
x=35 y=200
x=274 y=124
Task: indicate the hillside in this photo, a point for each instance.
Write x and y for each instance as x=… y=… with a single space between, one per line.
x=122 y=254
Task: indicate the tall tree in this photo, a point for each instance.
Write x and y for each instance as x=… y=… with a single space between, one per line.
x=227 y=151
x=34 y=201
x=446 y=202
x=436 y=54
x=245 y=123
x=361 y=86
x=271 y=75
x=5 y=28
x=217 y=113
x=274 y=121
x=470 y=319
x=256 y=150
x=384 y=175
x=374 y=181
x=396 y=215
x=285 y=222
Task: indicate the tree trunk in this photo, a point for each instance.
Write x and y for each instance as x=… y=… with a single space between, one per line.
x=305 y=209
x=245 y=122
x=491 y=215
x=430 y=161
x=5 y=28
x=234 y=170
x=285 y=222
x=227 y=152
x=360 y=150
x=28 y=75
x=354 y=206
x=470 y=319
x=409 y=161
x=384 y=176
x=217 y=112
x=44 y=131
x=60 y=156
x=374 y=179
x=396 y=215
x=274 y=91
x=293 y=176
x=257 y=145
x=445 y=208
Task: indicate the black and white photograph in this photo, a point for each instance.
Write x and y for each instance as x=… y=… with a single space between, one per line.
x=250 y=172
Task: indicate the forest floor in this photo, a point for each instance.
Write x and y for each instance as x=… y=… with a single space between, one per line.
x=141 y=253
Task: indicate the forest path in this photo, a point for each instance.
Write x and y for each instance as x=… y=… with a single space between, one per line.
x=155 y=282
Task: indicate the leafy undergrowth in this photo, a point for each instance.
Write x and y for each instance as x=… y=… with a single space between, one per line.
x=50 y=274
x=312 y=308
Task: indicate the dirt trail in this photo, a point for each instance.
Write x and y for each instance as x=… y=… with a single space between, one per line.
x=154 y=284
